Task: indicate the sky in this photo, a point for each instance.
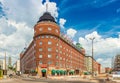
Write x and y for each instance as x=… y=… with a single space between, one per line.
x=79 y=19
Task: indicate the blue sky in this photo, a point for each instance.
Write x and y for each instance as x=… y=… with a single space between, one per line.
x=79 y=19
x=87 y=14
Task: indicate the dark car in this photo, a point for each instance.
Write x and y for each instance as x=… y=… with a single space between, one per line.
x=10 y=75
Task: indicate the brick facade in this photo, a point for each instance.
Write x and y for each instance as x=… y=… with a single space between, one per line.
x=49 y=51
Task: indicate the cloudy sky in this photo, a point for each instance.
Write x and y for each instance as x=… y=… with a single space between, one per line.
x=80 y=20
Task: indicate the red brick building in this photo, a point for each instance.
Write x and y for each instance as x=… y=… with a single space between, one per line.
x=108 y=70
x=50 y=52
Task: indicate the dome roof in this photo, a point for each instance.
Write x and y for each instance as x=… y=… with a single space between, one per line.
x=46 y=17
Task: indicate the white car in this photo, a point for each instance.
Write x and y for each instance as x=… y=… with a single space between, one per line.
x=116 y=75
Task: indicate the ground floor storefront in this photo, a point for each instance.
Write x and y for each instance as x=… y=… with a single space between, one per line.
x=53 y=71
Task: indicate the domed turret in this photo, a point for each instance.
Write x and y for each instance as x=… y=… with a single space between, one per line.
x=46 y=17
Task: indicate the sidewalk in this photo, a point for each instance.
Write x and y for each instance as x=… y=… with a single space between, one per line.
x=118 y=81
x=6 y=80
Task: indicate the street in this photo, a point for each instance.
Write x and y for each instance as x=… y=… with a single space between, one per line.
x=44 y=80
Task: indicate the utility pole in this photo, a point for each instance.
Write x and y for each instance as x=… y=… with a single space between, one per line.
x=92 y=39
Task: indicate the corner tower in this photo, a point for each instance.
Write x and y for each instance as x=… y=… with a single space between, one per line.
x=46 y=26
x=46 y=38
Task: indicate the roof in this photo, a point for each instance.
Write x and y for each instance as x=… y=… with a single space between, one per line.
x=46 y=17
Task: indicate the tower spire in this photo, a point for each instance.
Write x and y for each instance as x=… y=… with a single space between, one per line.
x=47 y=5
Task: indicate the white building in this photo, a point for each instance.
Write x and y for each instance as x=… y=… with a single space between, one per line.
x=18 y=65
x=2 y=64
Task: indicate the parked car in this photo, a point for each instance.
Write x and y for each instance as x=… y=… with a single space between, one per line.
x=10 y=75
x=116 y=75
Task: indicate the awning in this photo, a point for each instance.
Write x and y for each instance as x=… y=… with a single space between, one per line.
x=61 y=72
x=43 y=70
x=57 y=71
x=71 y=71
x=53 y=71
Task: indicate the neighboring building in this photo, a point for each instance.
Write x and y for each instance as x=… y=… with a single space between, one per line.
x=96 y=65
x=88 y=63
x=116 y=63
x=1 y=64
x=99 y=68
x=9 y=61
x=102 y=70
x=17 y=66
x=50 y=51
x=108 y=70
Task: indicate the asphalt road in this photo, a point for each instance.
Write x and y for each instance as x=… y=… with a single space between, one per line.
x=29 y=80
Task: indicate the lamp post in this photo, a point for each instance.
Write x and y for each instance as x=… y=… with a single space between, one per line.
x=92 y=39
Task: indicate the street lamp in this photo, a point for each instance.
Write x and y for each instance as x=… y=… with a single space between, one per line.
x=92 y=39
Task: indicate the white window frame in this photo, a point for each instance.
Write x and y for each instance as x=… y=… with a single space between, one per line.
x=40 y=49
x=49 y=42
x=49 y=55
x=49 y=49
x=40 y=56
x=40 y=43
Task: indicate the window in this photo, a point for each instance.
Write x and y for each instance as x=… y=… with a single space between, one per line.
x=56 y=30
x=40 y=29
x=56 y=64
x=42 y=36
x=40 y=49
x=57 y=44
x=40 y=43
x=47 y=36
x=49 y=29
x=51 y=36
x=49 y=62
x=49 y=49
x=56 y=50
x=60 y=52
x=56 y=56
x=34 y=45
x=40 y=62
x=60 y=58
x=60 y=46
x=49 y=56
x=49 y=42
x=40 y=56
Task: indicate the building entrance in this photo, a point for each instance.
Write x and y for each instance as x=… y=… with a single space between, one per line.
x=43 y=73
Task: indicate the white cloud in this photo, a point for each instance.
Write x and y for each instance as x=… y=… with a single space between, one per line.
x=15 y=42
x=104 y=48
x=94 y=34
x=71 y=32
x=62 y=21
x=107 y=62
